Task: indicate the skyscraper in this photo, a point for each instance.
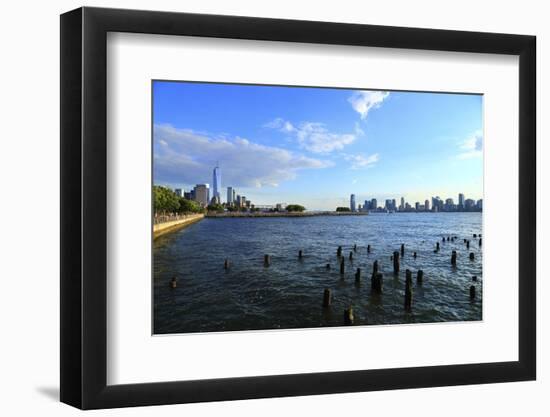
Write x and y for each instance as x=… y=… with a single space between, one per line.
x=230 y=195
x=402 y=205
x=202 y=194
x=427 y=205
x=216 y=183
x=461 y=201
x=352 y=202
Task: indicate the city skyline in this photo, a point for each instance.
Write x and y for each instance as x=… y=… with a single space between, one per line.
x=317 y=146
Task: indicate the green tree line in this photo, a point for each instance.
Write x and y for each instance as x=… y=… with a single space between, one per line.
x=167 y=201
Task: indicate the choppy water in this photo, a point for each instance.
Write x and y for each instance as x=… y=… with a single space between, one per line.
x=289 y=293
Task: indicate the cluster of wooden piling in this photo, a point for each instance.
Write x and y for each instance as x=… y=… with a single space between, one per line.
x=377 y=278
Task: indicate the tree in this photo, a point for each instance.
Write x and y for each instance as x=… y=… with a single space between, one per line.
x=295 y=207
x=340 y=209
x=189 y=206
x=215 y=207
x=165 y=200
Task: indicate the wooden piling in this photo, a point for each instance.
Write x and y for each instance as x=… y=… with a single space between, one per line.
x=437 y=246
x=327 y=298
x=351 y=256
x=475 y=235
x=226 y=264
x=396 y=262
x=339 y=251
x=355 y=247
x=474 y=278
x=377 y=282
x=267 y=260
x=174 y=282
x=467 y=244
x=479 y=241
x=327 y=267
x=342 y=267
x=420 y=276
x=453 y=258
x=472 y=292
x=408 y=292
x=348 y=316
x=300 y=254
x=358 y=276
x=414 y=255
x=408 y=276
x=402 y=249
x=472 y=256
x=368 y=248
x=375 y=267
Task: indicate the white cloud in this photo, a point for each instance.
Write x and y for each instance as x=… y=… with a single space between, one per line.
x=363 y=101
x=314 y=136
x=187 y=157
x=472 y=147
x=362 y=161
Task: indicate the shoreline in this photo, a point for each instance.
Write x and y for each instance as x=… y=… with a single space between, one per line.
x=281 y=214
x=174 y=225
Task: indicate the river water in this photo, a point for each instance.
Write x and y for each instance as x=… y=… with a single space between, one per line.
x=289 y=293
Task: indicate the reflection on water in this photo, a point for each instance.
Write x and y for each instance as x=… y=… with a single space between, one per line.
x=289 y=293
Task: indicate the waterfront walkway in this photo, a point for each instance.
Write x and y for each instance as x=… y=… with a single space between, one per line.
x=167 y=224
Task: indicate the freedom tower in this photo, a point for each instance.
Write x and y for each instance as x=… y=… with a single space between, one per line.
x=217 y=183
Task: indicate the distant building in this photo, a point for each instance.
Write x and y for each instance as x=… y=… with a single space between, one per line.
x=427 y=205
x=373 y=204
x=216 y=183
x=238 y=201
x=189 y=195
x=449 y=204
x=469 y=204
x=479 y=204
x=179 y=192
x=394 y=204
x=352 y=202
x=461 y=201
x=417 y=206
x=402 y=205
x=230 y=195
x=202 y=194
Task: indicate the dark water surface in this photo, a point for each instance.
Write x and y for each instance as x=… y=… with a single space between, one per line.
x=289 y=293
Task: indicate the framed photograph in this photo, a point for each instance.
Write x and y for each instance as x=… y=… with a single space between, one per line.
x=258 y=207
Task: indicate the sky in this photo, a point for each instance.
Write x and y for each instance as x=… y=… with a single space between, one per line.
x=316 y=146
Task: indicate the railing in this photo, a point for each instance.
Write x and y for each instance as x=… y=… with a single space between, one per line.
x=170 y=217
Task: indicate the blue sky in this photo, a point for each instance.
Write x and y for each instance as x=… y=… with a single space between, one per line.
x=316 y=146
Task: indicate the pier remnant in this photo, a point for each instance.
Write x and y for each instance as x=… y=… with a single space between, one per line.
x=327 y=298
x=300 y=254
x=339 y=251
x=342 y=267
x=267 y=260
x=327 y=267
x=437 y=246
x=368 y=248
x=396 y=262
x=377 y=282
x=414 y=255
x=479 y=241
x=453 y=258
x=475 y=235
x=358 y=276
x=375 y=267
x=420 y=276
x=348 y=316
x=472 y=256
x=226 y=264
x=351 y=256
x=474 y=278
x=408 y=291
x=472 y=292
x=467 y=244
x=402 y=249
x=355 y=247
x=174 y=282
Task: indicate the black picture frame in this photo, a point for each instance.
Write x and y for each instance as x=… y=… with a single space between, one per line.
x=84 y=207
